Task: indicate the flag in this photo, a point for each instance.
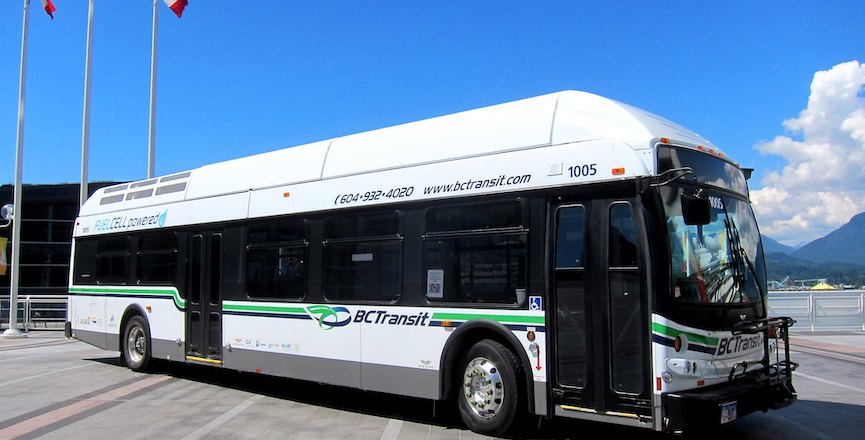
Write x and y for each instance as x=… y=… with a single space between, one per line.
x=177 y=6
x=49 y=8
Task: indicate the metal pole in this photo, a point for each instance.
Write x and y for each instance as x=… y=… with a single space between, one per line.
x=85 y=129
x=12 y=331
x=151 y=144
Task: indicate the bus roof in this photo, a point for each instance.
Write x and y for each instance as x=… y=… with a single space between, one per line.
x=552 y=119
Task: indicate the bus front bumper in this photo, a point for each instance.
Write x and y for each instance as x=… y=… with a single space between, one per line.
x=714 y=406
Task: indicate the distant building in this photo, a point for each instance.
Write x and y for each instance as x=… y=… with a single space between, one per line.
x=46 y=237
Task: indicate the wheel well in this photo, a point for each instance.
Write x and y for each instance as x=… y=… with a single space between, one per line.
x=470 y=333
x=132 y=310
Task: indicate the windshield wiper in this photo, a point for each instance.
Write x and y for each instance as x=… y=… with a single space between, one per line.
x=736 y=252
x=740 y=258
x=750 y=265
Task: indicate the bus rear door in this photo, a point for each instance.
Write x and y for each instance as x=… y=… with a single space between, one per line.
x=204 y=305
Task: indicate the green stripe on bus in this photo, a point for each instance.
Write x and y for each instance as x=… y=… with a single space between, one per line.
x=180 y=302
x=539 y=320
x=692 y=337
x=263 y=309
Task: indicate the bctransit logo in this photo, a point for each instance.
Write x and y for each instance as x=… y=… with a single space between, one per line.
x=330 y=317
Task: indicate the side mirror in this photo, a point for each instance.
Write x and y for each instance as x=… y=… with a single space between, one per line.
x=696 y=210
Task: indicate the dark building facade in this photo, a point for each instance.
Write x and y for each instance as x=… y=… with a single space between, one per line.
x=49 y=213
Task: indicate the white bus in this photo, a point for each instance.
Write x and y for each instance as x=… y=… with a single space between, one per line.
x=565 y=255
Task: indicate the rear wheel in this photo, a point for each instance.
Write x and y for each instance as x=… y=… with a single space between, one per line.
x=488 y=393
x=135 y=347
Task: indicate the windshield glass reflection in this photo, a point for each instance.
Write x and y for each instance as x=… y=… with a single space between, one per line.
x=717 y=263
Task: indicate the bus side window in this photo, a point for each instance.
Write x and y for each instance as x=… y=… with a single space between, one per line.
x=84 y=271
x=476 y=253
x=276 y=261
x=363 y=257
x=157 y=258
x=112 y=260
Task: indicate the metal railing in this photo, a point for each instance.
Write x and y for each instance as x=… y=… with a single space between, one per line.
x=36 y=312
x=816 y=311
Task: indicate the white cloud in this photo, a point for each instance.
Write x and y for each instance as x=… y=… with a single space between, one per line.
x=823 y=184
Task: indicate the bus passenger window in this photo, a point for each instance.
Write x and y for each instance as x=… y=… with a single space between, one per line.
x=276 y=256
x=112 y=261
x=476 y=253
x=84 y=270
x=363 y=257
x=276 y=272
x=157 y=258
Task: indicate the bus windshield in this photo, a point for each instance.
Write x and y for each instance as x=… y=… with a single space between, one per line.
x=717 y=263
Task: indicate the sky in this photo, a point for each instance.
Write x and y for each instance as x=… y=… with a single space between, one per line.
x=778 y=86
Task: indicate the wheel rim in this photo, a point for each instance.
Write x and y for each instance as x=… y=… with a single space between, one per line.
x=136 y=344
x=483 y=388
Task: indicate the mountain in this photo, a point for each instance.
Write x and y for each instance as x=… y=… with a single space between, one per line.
x=783 y=267
x=838 y=257
x=770 y=246
x=845 y=244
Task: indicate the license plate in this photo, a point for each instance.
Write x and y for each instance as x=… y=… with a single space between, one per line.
x=728 y=412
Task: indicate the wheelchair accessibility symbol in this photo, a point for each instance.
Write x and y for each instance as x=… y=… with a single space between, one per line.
x=535 y=303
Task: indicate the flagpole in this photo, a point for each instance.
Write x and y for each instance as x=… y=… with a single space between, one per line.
x=85 y=129
x=151 y=143
x=12 y=331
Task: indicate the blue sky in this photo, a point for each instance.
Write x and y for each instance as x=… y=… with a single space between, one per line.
x=239 y=78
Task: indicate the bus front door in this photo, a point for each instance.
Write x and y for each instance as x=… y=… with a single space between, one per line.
x=204 y=303
x=598 y=310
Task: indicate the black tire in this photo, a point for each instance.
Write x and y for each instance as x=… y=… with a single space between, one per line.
x=135 y=345
x=488 y=392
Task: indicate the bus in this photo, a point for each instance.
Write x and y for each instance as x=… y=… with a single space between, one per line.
x=561 y=256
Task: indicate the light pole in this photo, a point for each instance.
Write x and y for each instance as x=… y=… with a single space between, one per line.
x=7 y=213
x=12 y=331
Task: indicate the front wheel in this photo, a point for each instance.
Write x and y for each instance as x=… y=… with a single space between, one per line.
x=488 y=392
x=135 y=347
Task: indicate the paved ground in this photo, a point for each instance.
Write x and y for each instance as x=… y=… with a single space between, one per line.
x=54 y=388
x=846 y=342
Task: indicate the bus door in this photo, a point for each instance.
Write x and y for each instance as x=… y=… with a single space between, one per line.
x=204 y=302
x=598 y=309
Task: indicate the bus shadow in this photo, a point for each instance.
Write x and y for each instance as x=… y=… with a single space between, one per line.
x=311 y=393
x=803 y=420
